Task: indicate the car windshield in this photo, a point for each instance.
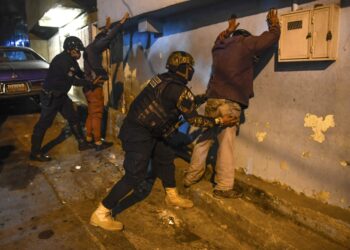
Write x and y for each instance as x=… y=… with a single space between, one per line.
x=17 y=56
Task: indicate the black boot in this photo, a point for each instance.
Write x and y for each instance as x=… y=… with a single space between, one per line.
x=36 y=154
x=78 y=134
x=40 y=157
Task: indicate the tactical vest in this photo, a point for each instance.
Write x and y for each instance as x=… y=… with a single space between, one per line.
x=149 y=111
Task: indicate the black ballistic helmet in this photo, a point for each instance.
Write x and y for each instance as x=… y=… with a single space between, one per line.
x=73 y=42
x=181 y=63
x=241 y=32
x=177 y=58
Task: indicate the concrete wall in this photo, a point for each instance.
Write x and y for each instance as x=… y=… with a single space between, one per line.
x=40 y=46
x=35 y=9
x=275 y=141
x=116 y=9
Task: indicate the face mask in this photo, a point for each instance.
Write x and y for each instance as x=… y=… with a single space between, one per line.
x=186 y=71
x=190 y=73
x=75 y=54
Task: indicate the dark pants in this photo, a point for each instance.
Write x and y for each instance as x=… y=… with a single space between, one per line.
x=51 y=105
x=136 y=170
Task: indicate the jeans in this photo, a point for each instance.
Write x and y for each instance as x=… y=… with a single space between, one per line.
x=225 y=163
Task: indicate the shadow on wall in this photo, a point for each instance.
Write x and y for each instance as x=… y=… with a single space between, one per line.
x=138 y=44
x=218 y=12
x=208 y=13
x=301 y=66
x=345 y=3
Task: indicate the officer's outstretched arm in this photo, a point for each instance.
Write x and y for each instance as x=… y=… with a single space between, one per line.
x=76 y=81
x=187 y=105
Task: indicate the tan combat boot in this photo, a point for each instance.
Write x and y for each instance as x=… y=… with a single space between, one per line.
x=102 y=218
x=173 y=198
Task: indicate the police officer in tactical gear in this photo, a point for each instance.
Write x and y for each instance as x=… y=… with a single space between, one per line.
x=63 y=72
x=151 y=120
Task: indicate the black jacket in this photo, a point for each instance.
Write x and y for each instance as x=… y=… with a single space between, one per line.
x=93 y=57
x=64 y=71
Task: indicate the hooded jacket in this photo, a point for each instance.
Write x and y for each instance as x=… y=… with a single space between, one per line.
x=233 y=65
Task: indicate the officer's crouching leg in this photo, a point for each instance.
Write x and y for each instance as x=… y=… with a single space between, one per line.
x=45 y=121
x=140 y=193
x=135 y=165
x=35 y=153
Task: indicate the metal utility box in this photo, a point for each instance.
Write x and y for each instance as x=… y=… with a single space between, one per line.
x=309 y=35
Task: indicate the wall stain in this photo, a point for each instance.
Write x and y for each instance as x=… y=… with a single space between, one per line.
x=319 y=125
x=322 y=196
x=306 y=154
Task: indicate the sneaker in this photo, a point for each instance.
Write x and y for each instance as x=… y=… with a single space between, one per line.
x=40 y=157
x=230 y=194
x=103 y=145
x=188 y=184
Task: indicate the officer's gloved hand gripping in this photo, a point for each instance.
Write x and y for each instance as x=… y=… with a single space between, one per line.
x=226 y=121
x=73 y=46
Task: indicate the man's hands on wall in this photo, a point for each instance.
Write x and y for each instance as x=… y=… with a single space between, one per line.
x=125 y=17
x=232 y=25
x=272 y=18
x=108 y=23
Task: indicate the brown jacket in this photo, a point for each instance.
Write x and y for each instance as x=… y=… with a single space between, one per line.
x=233 y=65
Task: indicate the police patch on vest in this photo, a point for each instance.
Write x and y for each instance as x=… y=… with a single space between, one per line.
x=71 y=72
x=186 y=102
x=155 y=81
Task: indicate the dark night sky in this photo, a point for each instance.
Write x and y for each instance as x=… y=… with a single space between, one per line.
x=12 y=18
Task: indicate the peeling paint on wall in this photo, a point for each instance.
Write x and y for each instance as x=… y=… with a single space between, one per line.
x=318 y=125
x=322 y=196
x=261 y=136
x=344 y=163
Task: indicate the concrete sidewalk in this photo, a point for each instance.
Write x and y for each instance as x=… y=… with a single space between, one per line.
x=276 y=216
x=48 y=205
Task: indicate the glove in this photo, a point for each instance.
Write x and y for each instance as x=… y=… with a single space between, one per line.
x=200 y=99
x=226 y=121
x=272 y=18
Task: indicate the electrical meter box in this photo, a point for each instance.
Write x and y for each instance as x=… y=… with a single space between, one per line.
x=309 y=35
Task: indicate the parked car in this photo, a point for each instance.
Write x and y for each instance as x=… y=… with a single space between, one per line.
x=22 y=72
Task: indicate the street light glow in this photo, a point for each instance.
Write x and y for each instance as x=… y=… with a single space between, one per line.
x=59 y=16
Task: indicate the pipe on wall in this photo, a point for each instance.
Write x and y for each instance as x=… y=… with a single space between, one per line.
x=294 y=5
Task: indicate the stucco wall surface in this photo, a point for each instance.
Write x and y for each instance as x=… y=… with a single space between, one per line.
x=116 y=9
x=297 y=126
